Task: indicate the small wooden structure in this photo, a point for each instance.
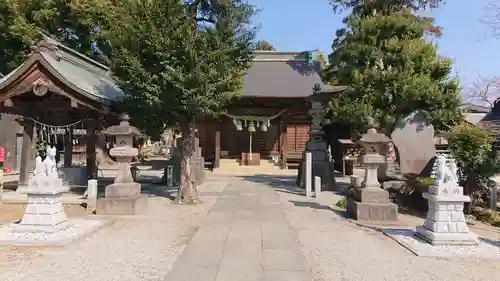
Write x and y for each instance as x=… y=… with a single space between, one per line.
x=274 y=94
x=54 y=89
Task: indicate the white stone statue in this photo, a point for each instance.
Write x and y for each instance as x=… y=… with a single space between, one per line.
x=50 y=162
x=39 y=167
x=444 y=173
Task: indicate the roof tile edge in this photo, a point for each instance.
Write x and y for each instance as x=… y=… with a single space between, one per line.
x=281 y=56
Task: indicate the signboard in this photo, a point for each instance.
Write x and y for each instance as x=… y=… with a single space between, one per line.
x=2 y=153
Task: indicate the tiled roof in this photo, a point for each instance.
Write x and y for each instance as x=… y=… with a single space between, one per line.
x=282 y=74
x=76 y=70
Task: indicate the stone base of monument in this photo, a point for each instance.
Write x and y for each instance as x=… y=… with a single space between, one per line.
x=44 y=221
x=445 y=222
x=408 y=238
x=371 y=204
x=122 y=199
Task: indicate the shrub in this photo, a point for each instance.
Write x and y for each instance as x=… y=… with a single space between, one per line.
x=342 y=203
x=472 y=148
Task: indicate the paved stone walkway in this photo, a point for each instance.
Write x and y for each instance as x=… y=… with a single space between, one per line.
x=245 y=237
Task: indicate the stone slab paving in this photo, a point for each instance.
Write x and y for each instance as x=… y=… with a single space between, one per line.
x=246 y=237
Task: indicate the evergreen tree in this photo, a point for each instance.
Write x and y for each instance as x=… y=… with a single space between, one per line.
x=390 y=67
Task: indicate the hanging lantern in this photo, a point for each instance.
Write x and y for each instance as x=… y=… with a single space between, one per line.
x=263 y=127
x=251 y=126
x=239 y=127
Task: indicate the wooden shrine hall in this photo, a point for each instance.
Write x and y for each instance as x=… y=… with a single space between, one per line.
x=270 y=121
x=59 y=97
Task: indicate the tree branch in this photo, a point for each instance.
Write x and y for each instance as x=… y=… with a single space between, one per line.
x=485 y=90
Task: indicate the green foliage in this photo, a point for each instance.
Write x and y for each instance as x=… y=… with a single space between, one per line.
x=392 y=70
x=174 y=66
x=471 y=146
x=342 y=203
x=263 y=45
x=340 y=5
x=72 y=22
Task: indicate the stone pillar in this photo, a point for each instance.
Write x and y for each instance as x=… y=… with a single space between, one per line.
x=318 y=148
x=369 y=201
x=308 y=174
x=217 y=146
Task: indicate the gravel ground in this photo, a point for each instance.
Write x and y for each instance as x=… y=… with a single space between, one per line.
x=339 y=250
x=136 y=248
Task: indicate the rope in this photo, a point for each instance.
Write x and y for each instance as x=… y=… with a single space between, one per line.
x=61 y=126
x=254 y=118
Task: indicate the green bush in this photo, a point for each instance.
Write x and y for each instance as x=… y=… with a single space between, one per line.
x=471 y=146
x=342 y=203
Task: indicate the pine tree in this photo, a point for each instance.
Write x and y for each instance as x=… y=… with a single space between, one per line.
x=391 y=68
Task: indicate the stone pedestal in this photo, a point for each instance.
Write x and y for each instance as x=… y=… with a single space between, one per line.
x=123 y=197
x=44 y=212
x=372 y=205
x=445 y=222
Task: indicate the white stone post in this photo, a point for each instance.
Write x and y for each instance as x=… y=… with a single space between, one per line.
x=308 y=177
x=91 y=195
x=317 y=187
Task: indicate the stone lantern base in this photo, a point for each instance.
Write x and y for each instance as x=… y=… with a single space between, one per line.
x=122 y=199
x=371 y=204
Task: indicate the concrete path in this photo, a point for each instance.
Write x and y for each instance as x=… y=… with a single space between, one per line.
x=245 y=237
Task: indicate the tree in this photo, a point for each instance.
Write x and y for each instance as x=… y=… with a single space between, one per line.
x=390 y=68
x=177 y=60
x=263 y=45
x=472 y=147
x=320 y=58
x=75 y=23
x=484 y=91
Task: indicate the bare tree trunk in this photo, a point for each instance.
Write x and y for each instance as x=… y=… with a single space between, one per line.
x=102 y=157
x=188 y=193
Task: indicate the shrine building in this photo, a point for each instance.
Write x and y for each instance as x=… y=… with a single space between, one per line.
x=270 y=120
x=58 y=97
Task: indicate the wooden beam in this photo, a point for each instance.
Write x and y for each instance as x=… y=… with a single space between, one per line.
x=26 y=153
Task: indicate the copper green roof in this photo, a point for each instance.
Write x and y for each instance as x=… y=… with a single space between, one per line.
x=82 y=74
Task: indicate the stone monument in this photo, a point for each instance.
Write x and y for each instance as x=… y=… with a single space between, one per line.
x=44 y=221
x=414 y=140
x=316 y=145
x=123 y=196
x=369 y=201
x=445 y=222
x=44 y=211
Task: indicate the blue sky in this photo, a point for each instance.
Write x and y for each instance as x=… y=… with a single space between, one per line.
x=295 y=25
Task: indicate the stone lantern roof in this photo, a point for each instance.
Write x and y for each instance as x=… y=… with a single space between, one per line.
x=372 y=136
x=124 y=128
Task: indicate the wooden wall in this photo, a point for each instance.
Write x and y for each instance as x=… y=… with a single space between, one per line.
x=9 y=129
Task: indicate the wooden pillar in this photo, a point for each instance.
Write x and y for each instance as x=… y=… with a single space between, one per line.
x=283 y=128
x=91 y=138
x=68 y=148
x=27 y=151
x=217 y=144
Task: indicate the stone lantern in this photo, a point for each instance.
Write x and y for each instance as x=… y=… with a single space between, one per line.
x=316 y=146
x=369 y=201
x=123 y=196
